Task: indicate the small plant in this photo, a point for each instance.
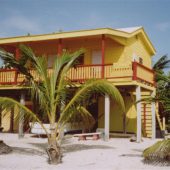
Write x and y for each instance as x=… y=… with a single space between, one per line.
x=159 y=153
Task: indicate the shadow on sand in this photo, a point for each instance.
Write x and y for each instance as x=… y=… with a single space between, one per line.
x=80 y=147
x=27 y=151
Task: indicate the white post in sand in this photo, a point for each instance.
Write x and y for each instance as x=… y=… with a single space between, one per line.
x=107 y=118
x=138 y=107
x=153 y=110
x=21 y=118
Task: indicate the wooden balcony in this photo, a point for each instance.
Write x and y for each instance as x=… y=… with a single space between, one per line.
x=113 y=72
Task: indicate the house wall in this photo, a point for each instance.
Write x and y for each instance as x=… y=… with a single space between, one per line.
x=114 y=52
x=116 y=116
x=136 y=46
x=6 y=120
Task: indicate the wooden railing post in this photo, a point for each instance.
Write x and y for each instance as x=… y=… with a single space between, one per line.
x=16 y=77
x=134 y=68
x=59 y=47
x=103 y=55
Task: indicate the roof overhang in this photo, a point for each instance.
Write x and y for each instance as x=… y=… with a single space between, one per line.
x=118 y=35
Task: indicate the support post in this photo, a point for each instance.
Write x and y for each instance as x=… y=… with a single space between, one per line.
x=134 y=67
x=107 y=118
x=103 y=54
x=21 y=117
x=59 y=47
x=17 y=53
x=138 y=108
x=164 y=123
x=153 y=110
x=124 y=123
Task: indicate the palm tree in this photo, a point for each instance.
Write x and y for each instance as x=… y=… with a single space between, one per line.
x=163 y=83
x=52 y=91
x=160 y=151
x=160 y=65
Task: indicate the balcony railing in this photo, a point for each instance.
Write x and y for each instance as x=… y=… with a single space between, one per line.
x=114 y=72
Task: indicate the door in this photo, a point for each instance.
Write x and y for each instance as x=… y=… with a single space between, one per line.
x=96 y=60
x=96 y=57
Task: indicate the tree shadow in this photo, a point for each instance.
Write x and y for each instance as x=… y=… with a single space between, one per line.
x=28 y=151
x=80 y=147
x=39 y=146
x=131 y=155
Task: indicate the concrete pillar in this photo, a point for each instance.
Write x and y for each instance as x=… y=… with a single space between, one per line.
x=164 y=123
x=107 y=118
x=153 y=110
x=21 y=118
x=138 y=108
x=124 y=123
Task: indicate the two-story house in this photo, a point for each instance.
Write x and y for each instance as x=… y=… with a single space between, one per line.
x=122 y=56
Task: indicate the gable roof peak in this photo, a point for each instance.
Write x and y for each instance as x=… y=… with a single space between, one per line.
x=129 y=29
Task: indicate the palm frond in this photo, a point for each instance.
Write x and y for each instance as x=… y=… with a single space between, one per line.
x=159 y=153
x=11 y=62
x=162 y=63
x=89 y=88
x=7 y=104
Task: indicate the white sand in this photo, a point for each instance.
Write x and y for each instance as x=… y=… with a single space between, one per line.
x=29 y=154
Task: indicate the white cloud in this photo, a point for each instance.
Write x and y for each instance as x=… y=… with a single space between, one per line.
x=163 y=26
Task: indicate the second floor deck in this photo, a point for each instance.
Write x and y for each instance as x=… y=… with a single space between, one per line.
x=116 y=73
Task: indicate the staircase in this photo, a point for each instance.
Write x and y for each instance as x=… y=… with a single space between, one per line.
x=147 y=120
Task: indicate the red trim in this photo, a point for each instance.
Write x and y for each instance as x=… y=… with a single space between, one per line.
x=17 y=53
x=135 y=65
x=7 y=70
x=91 y=65
x=59 y=47
x=118 y=77
x=103 y=53
x=134 y=68
x=146 y=68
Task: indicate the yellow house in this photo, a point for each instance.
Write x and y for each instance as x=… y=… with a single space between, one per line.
x=122 y=56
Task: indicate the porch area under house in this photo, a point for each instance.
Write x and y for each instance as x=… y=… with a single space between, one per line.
x=138 y=119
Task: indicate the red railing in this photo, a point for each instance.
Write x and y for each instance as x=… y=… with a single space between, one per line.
x=143 y=73
x=116 y=72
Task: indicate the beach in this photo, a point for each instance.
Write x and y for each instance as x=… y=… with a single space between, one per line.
x=116 y=154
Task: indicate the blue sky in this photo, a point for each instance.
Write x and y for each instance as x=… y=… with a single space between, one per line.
x=19 y=17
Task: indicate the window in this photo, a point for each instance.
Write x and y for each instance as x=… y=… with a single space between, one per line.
x=140 y=60
x=97 y=57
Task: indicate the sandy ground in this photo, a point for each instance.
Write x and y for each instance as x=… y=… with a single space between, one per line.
x=116 y=154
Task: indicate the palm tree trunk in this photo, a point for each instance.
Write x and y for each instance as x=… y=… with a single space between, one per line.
x=53 y=149
x=12 y=121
